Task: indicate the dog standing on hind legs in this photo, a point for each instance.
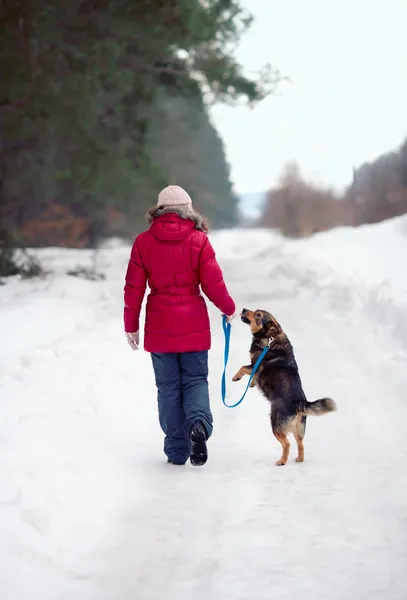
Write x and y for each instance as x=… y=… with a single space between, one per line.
x=278 y=379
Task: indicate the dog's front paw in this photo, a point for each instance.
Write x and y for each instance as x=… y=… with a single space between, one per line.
x=281 y=463
x=237 y=377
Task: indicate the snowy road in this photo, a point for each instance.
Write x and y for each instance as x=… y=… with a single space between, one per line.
x=89 y=510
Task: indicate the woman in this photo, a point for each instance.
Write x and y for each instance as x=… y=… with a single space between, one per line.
x=175 y=257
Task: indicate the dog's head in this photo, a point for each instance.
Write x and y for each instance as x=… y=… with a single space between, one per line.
x=261 y=322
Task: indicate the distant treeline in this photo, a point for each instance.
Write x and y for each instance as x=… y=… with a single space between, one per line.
x=378 y=191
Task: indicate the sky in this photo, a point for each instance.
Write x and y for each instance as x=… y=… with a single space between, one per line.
x=347 y=102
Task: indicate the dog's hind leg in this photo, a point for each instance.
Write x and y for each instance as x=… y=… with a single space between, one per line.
x=299 y=434
x=282 y=438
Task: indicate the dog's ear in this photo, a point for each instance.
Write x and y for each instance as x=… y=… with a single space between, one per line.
x=258 y=317
x=269 y=323
x=274 y=327
x=263 y=318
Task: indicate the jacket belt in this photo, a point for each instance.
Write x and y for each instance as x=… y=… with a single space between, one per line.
x=176 y=291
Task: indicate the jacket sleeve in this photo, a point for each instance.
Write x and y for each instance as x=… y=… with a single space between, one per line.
x=211 y=280
x=134 y=290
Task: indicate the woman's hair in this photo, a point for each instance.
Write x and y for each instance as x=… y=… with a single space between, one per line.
x=185 y=211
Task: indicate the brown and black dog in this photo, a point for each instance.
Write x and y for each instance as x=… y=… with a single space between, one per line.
x=278 y=378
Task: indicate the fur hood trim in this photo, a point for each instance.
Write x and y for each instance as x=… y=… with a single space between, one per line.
x=183 y=211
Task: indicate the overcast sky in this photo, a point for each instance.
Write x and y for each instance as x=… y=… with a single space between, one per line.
x=348 y=99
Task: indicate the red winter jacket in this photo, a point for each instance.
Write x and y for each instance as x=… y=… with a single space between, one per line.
x=175 y=259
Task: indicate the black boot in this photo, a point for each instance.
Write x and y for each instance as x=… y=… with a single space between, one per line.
x=199 y=451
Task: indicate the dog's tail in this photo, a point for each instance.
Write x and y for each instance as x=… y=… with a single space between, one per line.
x=319 y=407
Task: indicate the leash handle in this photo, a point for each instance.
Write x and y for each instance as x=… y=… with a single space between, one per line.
x=227 y=331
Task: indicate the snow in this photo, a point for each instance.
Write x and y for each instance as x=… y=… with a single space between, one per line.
x=90 y=510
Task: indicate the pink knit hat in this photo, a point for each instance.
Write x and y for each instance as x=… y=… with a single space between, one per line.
x=173 y=195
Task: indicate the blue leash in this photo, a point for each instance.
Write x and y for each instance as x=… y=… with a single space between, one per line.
x=227 y=330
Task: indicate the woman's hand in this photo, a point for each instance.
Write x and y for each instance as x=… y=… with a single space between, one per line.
x=230 y=317
x=133 y=340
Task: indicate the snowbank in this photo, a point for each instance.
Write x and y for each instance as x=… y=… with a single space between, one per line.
x=366 y=266
x=371 y=255
x=360 y=270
